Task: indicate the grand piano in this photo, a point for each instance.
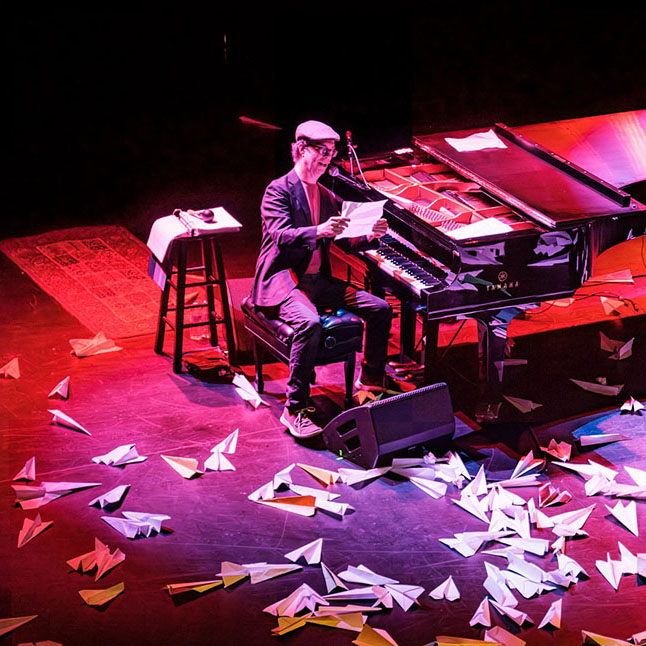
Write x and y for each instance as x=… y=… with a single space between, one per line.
x=486 y=222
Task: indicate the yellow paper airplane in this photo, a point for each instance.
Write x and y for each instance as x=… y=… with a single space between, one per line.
x=194 y=586
x=324 y=476
x=11 y=623
x=101 y=597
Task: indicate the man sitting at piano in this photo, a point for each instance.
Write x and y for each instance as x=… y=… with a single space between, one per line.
x=293 y=279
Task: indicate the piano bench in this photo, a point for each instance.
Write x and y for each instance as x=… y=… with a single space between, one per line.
x=342 y=337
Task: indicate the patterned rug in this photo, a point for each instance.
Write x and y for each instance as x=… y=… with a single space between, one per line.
x=98 y=274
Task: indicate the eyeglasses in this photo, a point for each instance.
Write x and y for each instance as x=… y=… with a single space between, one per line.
x=324 y=151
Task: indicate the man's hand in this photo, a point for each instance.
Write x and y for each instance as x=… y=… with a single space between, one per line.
x=332 y=227
x=379 y=228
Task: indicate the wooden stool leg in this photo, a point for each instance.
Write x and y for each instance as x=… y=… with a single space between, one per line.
x=257 y=357
x=348 y=368
x=163 y=312
x=207 y=257
x=179 y=310
x=224 y=296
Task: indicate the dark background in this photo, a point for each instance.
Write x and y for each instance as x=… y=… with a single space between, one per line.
x=122 y=116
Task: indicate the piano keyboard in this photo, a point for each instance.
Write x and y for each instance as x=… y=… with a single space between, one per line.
x=400 y=259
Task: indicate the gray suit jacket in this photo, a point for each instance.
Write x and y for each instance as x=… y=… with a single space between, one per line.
x=289 y=239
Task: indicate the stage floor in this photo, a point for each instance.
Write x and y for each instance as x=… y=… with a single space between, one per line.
x=132 y=396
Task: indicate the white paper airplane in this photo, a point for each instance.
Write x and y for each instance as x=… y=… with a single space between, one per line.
x=31 y=528
x=526 y=464
x=611 y=305
x=431 y=487
x=523 y=405
x=589 y=470
x=96 y=345
x=339 y=509
x=34 y=496
x=549 y=495
x=568 y=566
x=217 y=461
x=629 y=562
x=283 y=478
x=111 y=497
x=135 y=524
x=611 y=570
x=257 y=572
x=534 y=545
x=311 y=553
x=228 y=444
x=61 y=389
x=478 y=486
x=638 y=475
x=186 y=467
x=300 y=505
x=247 y=391
x=499 y=498
x=482 y=615
x=303 y=597
x=626 y=515
x=599 y=389
x=353 y=476
x=60 y=418
x=496 y=586
x=621 y=276
x=28 y=472
x=601 y=438
x=122 y=455
x=632 y=406
x=364 y=576
x=11 y=369
x=99 y=559
x=332 y=581
x=405 y=595
x=516 y=616
x=266 y=492
x=446 y=590
x=473 y=506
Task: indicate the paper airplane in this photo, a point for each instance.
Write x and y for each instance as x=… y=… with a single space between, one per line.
x=135 y=523
x=324 y=476
x=632 y=406
x=193 y=586
x=31 y=529
x=626 y=515
x=186 y=467
x=266 y=492
x=60 y=418
x=638 y=475
x=319 y=494
x=503 y=637
x=11 y=623
x=257 y=572
x=28 y=472
x=101 y=597
x=496 y=586
x=523 y=405
x=629 y=562
x=34 y=496
x=611 y=570
x=374 y=637
x=468 y=543
x=11 y=369
x=405 y=595
x=575 y=518
x=499 y=498
x=217 y=461
x=621 y=276
x=228 y=444
x=247 y=391
x=122 y=455
x=552 y=616
x=446 y=590
x=96 y=345
x=344 y=620
x=473 y=506
x=431 y=487
x=448 y=640
x=364 y=576
x=311 y=553
x=568 y=566
x=620 y=349
x=478 y=486
x=338 y=509
x=526 y=464
x=99 y=559
x=534 y=545
x=599 y=389
x=61 y=389
x=332 y=581
x=611 y=305
x=113 y=497
x=288 y=624
x=482 y=615
x=560 y=450
x=301 y=505
x=549 y=495
x=601 y=640
x=283 y=478
x=601 y=438
x=589 y=470
x=516 y=616
x=353 y=476
x=303 y=597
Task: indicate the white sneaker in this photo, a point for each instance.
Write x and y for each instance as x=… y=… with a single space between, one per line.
x=300 y=424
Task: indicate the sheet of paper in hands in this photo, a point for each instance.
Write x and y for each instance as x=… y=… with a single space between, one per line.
x=363 y=216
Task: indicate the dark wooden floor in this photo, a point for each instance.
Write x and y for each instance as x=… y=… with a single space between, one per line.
x=132 y=396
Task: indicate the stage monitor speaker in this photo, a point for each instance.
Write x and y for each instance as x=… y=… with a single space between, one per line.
x=372 y=434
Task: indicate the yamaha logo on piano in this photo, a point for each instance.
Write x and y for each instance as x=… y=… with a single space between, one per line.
x=503 y=282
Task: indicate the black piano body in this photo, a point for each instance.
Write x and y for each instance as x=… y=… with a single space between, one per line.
x=485 y=232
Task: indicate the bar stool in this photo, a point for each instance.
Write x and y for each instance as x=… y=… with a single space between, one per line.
x=211 y=258
x=342 y=337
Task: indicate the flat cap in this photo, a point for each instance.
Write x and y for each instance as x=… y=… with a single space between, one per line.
x=316 y=130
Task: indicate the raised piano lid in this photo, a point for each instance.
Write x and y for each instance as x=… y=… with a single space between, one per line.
x=543 y=185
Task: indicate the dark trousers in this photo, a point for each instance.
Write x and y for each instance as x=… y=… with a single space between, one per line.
x=301 y=310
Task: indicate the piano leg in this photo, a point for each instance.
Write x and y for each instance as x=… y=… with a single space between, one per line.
x=431 y=337
x=407 y=324
x=491 y=349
